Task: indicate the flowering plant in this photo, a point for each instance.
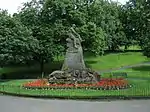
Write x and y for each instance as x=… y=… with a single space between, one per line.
x=105 y=83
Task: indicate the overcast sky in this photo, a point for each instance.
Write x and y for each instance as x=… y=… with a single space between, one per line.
x=13 y=5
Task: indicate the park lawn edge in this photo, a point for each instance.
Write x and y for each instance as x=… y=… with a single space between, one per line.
x=121 y=97
x=71 y=94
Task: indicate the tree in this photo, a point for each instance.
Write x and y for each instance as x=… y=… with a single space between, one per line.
x=129 y=18
x=16 y=42
x=98 y=16
x=138 y=22
x=31 y=16
x=107 y=16
x=94 y=38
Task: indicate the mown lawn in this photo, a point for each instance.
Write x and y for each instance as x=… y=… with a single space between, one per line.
x=109 y=61
x=136 y=75
x=139 y=88
x=135 y=72
x=115 y=60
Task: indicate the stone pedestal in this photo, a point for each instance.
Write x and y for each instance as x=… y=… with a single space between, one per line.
x=74 y=60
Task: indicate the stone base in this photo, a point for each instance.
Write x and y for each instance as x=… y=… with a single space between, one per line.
x=74 y=59
x=74 y=77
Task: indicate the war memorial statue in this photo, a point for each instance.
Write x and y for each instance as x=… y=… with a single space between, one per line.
x=74 y=53
x=74 y=69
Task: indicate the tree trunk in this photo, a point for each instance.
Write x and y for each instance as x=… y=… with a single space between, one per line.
x=58 y=57
x=109 y=48
x=42 y=66
x=126 y=47
x=112 y=48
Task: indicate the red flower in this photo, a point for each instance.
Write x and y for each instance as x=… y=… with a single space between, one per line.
x=104 y=83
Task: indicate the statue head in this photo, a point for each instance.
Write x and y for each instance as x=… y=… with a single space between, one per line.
x=70 y=43
x=73 y=25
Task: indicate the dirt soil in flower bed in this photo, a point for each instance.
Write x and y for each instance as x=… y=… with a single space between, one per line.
x=104 y=84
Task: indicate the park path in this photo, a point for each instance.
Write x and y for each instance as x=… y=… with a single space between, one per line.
x=15 y=104
x=125 y=67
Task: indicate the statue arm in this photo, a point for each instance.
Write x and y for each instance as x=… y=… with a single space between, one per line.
x=76 y=34
x=79 y=37
x=74 y=39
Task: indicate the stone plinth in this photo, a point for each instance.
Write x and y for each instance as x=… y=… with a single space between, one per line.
x=73 y=60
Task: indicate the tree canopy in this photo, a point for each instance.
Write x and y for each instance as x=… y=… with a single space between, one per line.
x=137 y=23
x=39 y=30
x=16 y=42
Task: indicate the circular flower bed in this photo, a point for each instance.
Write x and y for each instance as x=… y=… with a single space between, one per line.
x=104 y=84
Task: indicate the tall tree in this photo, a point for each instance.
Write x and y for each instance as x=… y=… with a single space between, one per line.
x=107 y=16
x=138 y=22
x=62 y=14
x=94 y=38
x=30 y=16
x=58 y=16
x=16 y=42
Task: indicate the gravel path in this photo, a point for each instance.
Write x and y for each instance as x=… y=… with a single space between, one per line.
x=15 y=104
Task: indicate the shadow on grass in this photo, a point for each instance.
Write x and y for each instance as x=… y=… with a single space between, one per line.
x=107 y=52
x=2 y=81
x=88 y=63
x=32 y=72
x=147 y=61
x=91 y=62
x=142 y=68
x=53 y=66
x=88 y=55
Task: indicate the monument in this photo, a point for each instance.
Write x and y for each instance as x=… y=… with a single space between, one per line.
x=74 y=69
x=74 y=53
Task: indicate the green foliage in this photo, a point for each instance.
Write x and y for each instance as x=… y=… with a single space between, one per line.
x=94 y=38
x=98 y=22
x=31 y=15
x=16 y=42
x=138 y=23
x=127 y=21
x=101 y=24
x=146 y=47
x=107 y=16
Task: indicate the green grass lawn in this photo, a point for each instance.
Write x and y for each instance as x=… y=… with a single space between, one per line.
x=15 y=82
x=109 y=61
x=140 y=88
x=136 y=75
x=135 y=72
x=115 y=60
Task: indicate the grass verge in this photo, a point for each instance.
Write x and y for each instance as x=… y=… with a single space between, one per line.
x=136 y=75
x=115 y=60
x=139 y=88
